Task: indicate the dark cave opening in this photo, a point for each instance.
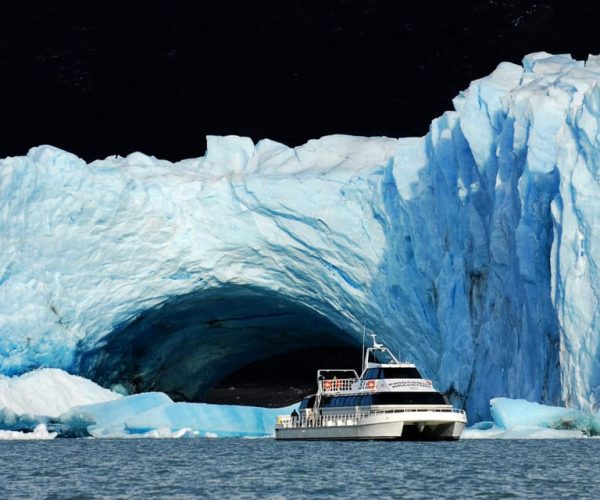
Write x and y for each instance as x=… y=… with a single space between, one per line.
x=283 y=379
x=196 y=347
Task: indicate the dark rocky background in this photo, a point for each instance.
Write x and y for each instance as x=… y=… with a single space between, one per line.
x=106 y=77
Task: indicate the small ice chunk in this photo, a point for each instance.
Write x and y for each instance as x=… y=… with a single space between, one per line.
x=40 y=432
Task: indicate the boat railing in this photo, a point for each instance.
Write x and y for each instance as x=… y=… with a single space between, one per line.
x=431 y=409
x=288 y=422
x=337 y=384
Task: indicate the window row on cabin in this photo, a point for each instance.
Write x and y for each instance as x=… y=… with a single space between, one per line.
x=385 y=398
x=379 y=373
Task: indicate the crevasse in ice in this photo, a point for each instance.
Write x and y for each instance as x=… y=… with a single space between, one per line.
x=472 y=250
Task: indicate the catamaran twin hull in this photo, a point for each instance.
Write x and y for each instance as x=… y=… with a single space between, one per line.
x=427 y=425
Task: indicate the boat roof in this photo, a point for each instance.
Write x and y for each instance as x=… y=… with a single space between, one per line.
x=372 y=360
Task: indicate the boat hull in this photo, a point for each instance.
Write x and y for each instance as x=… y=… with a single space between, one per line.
x=378 y=427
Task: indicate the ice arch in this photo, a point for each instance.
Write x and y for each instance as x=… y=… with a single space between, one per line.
x=188 y=344
x=474 y=250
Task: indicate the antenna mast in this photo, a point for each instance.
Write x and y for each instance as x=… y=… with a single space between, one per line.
x=375 y=344
x=363 y=352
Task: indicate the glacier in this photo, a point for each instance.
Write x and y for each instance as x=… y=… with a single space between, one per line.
x=471 y=251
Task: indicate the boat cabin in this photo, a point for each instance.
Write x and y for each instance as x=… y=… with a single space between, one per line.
x=384 y=381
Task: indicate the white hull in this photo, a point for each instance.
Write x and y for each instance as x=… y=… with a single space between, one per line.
x=417 y=425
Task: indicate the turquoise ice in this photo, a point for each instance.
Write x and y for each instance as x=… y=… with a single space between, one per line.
x=155 y=414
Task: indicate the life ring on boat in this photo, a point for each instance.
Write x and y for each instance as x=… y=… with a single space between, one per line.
x=327 y=385
x=371 y=385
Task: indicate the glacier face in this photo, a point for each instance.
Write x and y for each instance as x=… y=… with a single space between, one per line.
x=471 y=251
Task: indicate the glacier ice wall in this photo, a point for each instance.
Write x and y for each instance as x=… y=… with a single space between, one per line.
x=471 y=250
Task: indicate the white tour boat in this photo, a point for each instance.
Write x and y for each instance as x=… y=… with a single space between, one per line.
x=390 y=400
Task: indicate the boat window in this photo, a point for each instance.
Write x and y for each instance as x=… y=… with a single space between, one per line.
x=307 y=402
x=408 y=398
x=384 y=398
x=337 y=401
x=401 y=373
x=372 y=373
x=365 y=400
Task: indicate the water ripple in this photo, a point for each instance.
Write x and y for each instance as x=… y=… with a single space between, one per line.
x=238 y=468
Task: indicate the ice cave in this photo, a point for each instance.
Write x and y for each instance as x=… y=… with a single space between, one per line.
x=257 y=346
x=471 y=251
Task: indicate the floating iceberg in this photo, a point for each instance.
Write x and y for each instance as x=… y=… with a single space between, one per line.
x=513 y=413
x=49 y=392
x=75 y=407
x=38 y=396
x=520 y=419
x=156 y=415
x=473 y=250
x=495 y=432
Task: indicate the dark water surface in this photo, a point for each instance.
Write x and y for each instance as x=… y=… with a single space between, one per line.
x=265 y=468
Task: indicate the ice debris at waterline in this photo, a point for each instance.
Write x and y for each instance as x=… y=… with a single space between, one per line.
x=473 y=250
x=75 y=407
x=520 y=419
x=39 y=433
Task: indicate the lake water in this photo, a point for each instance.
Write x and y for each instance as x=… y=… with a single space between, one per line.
x=265 y=468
